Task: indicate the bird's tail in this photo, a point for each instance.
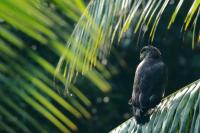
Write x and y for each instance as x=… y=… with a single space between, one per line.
x=141 y=116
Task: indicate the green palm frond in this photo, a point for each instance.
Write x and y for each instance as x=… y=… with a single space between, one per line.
x=92 y=37
x=13 y=105
x=27 y=27
x=105 y=20
x=178 y=112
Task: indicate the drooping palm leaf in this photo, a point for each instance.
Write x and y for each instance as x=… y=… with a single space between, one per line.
x=89 y=39
x=178 y=112
x=104 y=20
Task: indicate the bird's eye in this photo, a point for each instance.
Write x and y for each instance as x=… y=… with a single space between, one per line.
x=143 y=50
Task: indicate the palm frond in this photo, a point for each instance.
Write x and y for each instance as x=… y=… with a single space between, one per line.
x=13 y=119
x=104 y=20
x=26 y=75
x=13 y=105
x=154 y=10
x=89 y=41
x=177 y=112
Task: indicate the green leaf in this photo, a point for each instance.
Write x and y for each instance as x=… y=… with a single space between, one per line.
x=177 y=112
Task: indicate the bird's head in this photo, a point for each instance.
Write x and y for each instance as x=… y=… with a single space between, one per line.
x=150 y=52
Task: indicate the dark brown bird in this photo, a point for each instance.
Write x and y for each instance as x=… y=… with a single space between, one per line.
x=149 y=83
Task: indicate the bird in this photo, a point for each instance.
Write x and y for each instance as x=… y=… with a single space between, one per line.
x=149 y=84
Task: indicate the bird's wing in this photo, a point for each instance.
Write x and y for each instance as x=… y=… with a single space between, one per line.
x=151 y=82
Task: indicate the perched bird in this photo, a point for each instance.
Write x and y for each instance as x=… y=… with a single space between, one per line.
x=149 y=83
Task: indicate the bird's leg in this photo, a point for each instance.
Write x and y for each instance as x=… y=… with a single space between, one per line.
x=155 y=100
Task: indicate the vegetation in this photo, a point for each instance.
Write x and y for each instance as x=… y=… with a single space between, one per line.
x=40 y=95
x=178 y=112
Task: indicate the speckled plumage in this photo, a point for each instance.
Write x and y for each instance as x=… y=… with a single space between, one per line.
x=149 y=83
